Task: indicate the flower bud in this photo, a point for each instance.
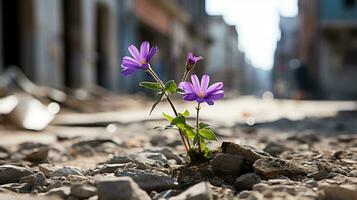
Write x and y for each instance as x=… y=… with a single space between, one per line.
x=191 y=61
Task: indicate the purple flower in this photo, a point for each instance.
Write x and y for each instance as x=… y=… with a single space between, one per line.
x=192 y=60
x=139 y=60
x=201 y=92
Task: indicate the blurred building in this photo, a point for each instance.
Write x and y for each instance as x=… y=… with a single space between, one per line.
x=224 y=57
x=62 y=43
x=80 y=43
x=328 y=46
x=285 y=57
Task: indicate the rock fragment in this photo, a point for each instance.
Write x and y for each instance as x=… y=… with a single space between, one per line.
x=149 y=180
x=249 y=153
x=246 y=181
x=83 y=191
x=200 y=191
x=275 y=167
x=340 y=192
x=124 y=188
x=227 y=164
x=12 y=173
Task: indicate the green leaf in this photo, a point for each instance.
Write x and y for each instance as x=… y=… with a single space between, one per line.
x=166 y=127
x=196 y=139
x=186 y=113
x=207 y=134
x=153 y=106
x=150 y=85
x=160 y=95
x=180 y=119
x=203 y=125
x=167 y=117
x=170 y=86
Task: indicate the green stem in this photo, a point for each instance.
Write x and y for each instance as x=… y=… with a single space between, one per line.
x=168 y=99
x=198 y=128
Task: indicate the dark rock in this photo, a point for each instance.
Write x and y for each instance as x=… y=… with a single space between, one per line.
x=37 y=154
x=227 y=164
x=275 y=167
x=110 y=168
x=168 y=153
x=12 y=173
x=246 y=181
x=249 y=153
x=275 y=149
x=123 y=188
x=149 y=180
x=118 y=160
x=188 y=175
x=83 y=191
x=200 y=191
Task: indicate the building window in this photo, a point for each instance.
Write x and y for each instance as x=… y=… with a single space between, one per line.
x=349 y=3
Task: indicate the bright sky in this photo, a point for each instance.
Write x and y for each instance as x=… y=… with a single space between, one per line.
x=257 y=22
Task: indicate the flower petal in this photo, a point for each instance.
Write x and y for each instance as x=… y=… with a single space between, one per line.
x=216 y=96
x=187 y=87
x=196 y=83
x=200 y=100
x=144 y=49
x=128 y=71
x=151 y=54
x=135 y=53
x=209 y=102
x=190 y=97
x=129 y=60
x=204 y=83
x=214 y=87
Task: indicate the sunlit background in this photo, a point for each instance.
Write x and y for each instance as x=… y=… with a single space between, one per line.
x=257 y=23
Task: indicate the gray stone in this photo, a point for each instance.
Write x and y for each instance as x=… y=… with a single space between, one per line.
x=167 y=152
x=12 y=173
x=148 y=159
x=62 y=192
x=34 y=179
x=227 y=164
x=47 y=169
x=246 y=181
x=311 y=183
x=83 y=191
x=244 y=194
x=340 y=192
x=260 y=187
x=123 y=188
x=149 y=180
x=275 y=167
x=249 y=153
x=200 y=191
x=66 y=171
x=110 y=168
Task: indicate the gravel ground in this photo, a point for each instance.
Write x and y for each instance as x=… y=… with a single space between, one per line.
x=267 y=149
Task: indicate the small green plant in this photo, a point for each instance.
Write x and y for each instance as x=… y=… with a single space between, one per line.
x=194 y=138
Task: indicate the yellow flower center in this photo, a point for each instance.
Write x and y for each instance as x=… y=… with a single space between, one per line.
x=201 y=94
x=143 y=61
